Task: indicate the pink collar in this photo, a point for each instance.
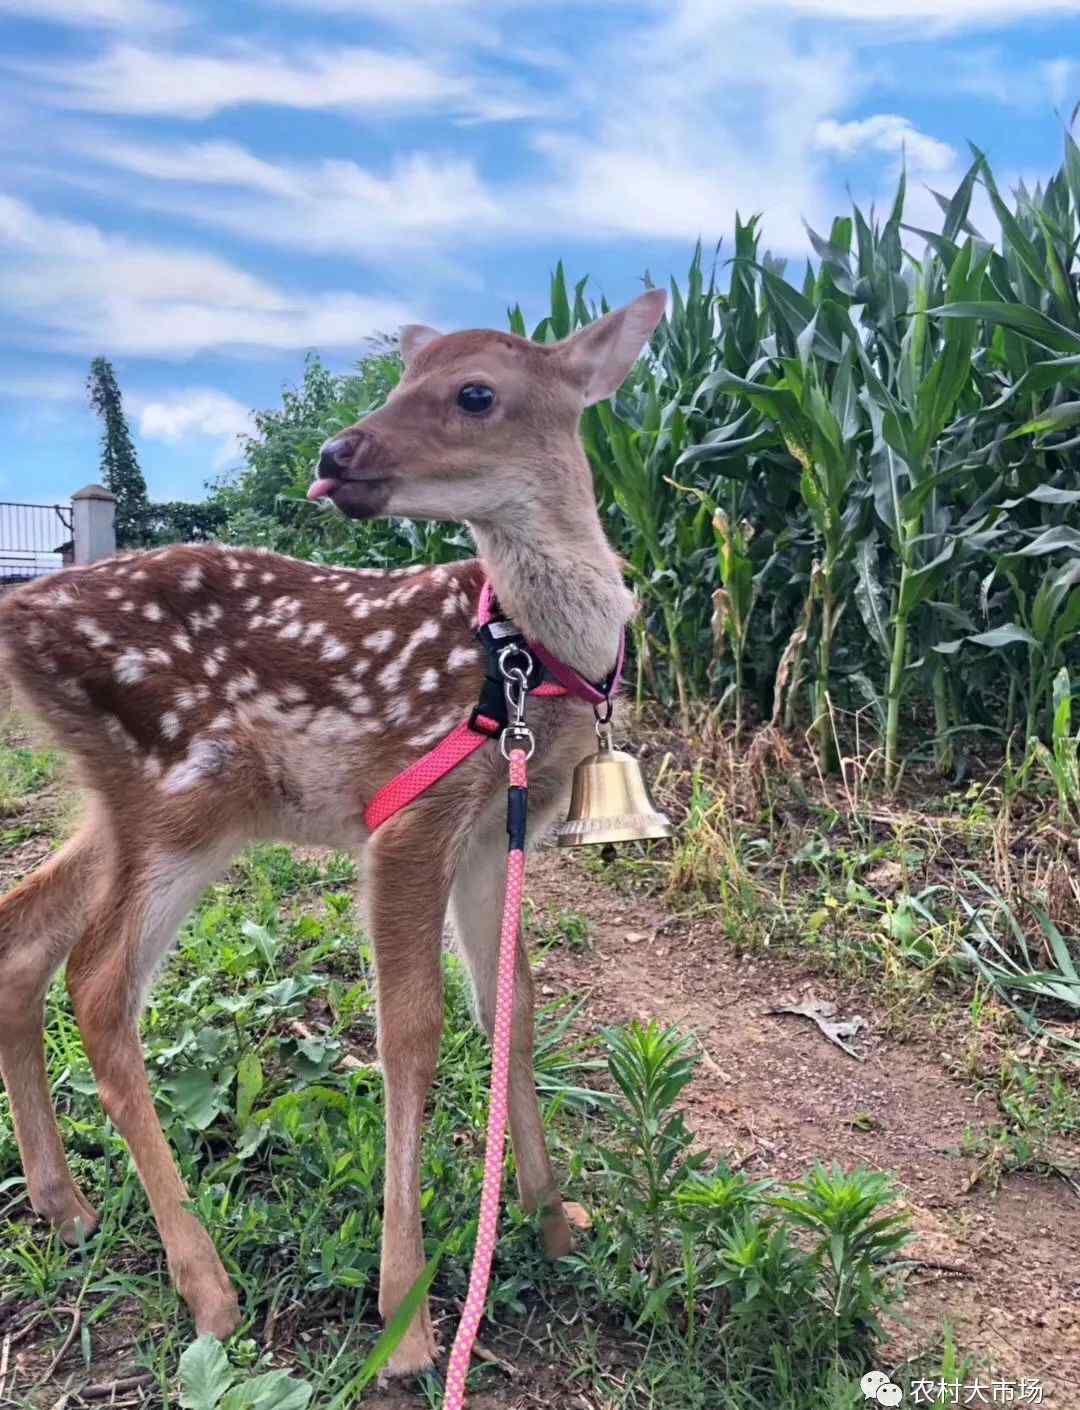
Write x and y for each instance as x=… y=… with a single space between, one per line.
x=464 y=741
x=572 y=681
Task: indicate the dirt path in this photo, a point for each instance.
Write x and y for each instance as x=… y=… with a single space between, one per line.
x=773 y=1092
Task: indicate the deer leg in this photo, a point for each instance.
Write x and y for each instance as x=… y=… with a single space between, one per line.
x=128 y=934
x=39 y=923
x=476 y=909
x=407 y=910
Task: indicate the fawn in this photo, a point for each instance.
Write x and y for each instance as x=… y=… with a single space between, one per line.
x=214 y=695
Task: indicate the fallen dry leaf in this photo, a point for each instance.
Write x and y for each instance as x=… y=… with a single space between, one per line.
x=821 y=1012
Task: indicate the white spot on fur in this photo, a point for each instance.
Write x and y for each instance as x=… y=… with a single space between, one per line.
x=88 y=628
x=114 y=594
x=333 y=650
x=399 y=710
x=182 y=642
x=130 y=666
x=291 y=629
x=390 y=676
x=198 y=621
x=360 y=667
x=170 y=724
x=119 y=735
x=250 y=603
x=359 y=702
x=152 y=612
x=128 y=606
x=245 y=684
x=266 y=577
x=191 y=578
x=380 y=641
x=158 y=656
x=204 y=759
x=222 y=721
x=294 y=693
x=152 y=766
x=462 y=656
x=332 y=725
x=403 y=595
x=439 y=730
x=429 y=681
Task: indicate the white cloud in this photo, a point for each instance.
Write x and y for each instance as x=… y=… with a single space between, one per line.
x=328 y=206
x=945 y=14
x=1063 y=79
x=885 y=132
x=97 y=14
x=712 y=112
x=76 y=288
x=137 y=80
x=198 y=412
x=662 y=154
x=44 y=387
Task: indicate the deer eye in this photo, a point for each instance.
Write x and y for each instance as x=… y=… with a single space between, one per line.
x=476 y=399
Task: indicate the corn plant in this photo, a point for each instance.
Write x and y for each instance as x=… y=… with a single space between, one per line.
x=861 y=481
x=1062 y=759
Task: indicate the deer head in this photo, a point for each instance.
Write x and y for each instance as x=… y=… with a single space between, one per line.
x=483 y=426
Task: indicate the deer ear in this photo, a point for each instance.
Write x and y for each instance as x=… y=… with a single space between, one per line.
x=601 y=355
x=414 y=338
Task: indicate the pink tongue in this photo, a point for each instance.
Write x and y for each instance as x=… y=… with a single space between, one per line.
x=321 y=488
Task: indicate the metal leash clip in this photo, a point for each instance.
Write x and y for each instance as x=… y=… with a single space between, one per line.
x=517 y=734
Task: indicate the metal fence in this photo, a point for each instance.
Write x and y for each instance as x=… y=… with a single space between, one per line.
x=34 y=539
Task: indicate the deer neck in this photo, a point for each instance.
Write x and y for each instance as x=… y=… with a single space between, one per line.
x=555 y=574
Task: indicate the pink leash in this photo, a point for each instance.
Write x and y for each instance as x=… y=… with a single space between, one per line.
x=487 y=1232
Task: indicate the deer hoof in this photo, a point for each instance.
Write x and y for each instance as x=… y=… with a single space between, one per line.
x=417 y=1351
x=556 y=1234
x=217 y=1315
x=71 y=1216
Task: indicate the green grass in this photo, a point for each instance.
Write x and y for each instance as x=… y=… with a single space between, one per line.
x=22 y=773
x=695 y=1286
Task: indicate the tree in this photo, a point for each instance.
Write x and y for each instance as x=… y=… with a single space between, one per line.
x=119 y=462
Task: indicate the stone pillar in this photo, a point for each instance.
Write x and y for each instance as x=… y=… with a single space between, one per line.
x=93 y=524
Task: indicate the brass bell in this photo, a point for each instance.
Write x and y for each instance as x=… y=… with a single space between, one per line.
x=609 y=801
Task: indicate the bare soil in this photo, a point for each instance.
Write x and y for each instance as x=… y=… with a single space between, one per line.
x=773 y=1093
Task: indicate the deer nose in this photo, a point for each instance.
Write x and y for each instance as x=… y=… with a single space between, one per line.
x=341 y=454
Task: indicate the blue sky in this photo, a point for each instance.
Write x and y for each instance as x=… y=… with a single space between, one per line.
x=203 y=192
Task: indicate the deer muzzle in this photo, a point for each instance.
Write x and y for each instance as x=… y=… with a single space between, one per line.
x=349 y=477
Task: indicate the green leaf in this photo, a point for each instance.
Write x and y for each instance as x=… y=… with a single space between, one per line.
x=1020 y=318
x=1054 y=418
x=1007 y=635
x=869 y=593
x=1050 y=541
x=205 y=1374
x=274 y=1390
x=249 y=1083
x=197 y=1097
